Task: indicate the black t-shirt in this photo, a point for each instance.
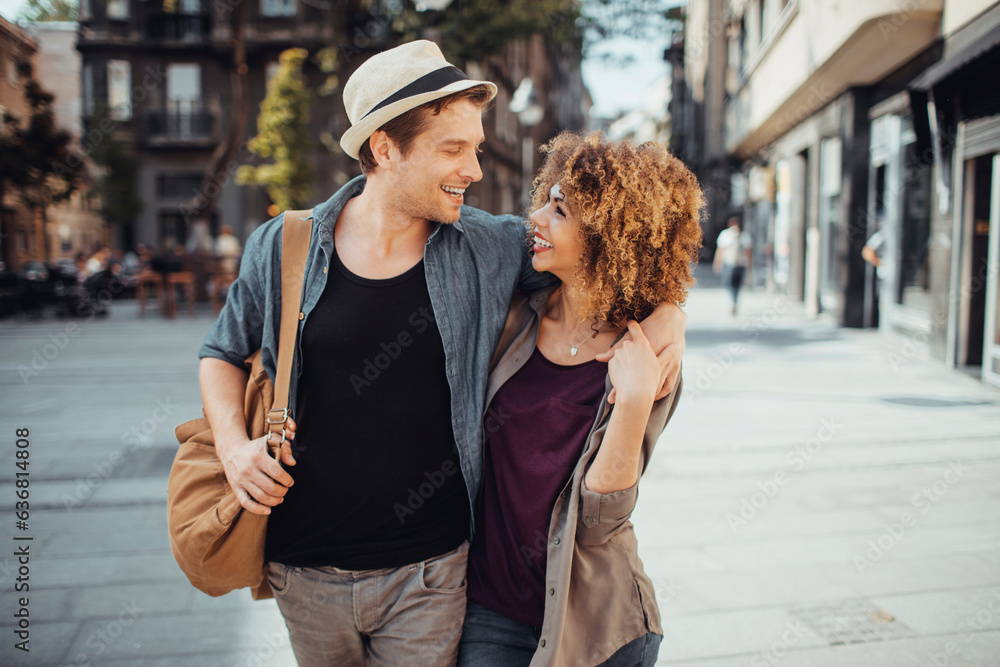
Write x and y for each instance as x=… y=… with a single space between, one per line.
x=377 y=479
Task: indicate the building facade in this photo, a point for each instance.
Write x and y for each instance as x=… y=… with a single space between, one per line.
x=20 y=238
x=845 y=119
x=74 y=226
x=166 y=77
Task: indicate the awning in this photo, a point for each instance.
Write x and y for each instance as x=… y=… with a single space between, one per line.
x=964 y=55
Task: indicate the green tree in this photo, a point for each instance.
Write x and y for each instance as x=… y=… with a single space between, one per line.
x=283 y=137
x=50 y=10
x=471 y=30
x=49 y=171
x=11 y=174
x=114 y=186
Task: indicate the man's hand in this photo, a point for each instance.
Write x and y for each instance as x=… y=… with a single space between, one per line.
x=665 y=330
x=258 y=480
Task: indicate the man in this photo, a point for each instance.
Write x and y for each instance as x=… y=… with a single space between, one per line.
x=404 y=298
x=732 y=255
x=872 y=253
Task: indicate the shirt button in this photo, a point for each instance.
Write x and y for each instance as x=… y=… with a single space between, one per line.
x=589 y=519
x=552 y=592
x=302 y=316
x=542 y=643
x=556 y=541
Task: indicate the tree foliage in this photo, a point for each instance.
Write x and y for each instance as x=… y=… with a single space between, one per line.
x=50 y=10
x=46 y=170
x=283 y=137
x=115 y=186
x=471 y=30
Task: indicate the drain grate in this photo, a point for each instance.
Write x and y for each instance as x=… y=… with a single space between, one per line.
x=852 y=622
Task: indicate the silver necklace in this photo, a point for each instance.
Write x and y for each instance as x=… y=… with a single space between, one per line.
x=574 y=348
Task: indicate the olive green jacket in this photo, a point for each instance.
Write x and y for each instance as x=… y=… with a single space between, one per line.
x=598 y=596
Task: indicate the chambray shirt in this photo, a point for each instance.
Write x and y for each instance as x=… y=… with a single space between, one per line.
x=472 y=267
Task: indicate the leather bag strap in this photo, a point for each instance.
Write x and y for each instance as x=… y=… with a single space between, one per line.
x=295 y=235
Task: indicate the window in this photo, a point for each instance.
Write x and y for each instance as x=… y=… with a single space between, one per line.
x=118 y=9
x=183 y=97
x=172 y=186
x=120 y=89
x=269 y=73
x=12 y=73
x=88 y=89
x=277 y=7
x=183 y=88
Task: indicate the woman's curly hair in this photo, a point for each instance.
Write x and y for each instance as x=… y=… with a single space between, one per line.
x=639 y=209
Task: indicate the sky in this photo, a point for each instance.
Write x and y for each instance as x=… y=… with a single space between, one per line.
x=9 y=9
x=614 y=89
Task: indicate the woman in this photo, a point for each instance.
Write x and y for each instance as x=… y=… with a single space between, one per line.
x=554 y=574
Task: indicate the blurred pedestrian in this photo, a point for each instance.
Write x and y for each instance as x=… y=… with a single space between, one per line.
x=732 y=257
x=228 y=249
x=98 y=261
x=872 y=253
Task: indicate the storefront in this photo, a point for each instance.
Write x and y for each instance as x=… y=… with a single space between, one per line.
x=963 y=120
x=898 y=297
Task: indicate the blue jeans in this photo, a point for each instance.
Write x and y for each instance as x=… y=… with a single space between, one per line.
x=490 y=639
x=732 y=280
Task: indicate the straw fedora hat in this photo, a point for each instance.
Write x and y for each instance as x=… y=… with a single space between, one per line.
x=395 y=81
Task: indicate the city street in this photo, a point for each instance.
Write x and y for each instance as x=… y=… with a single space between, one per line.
x=823 y=496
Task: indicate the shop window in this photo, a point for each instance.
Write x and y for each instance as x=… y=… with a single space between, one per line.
x=915 y=228
x=833 y=243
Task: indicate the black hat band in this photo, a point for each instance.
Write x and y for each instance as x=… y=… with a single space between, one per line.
x=428 y=83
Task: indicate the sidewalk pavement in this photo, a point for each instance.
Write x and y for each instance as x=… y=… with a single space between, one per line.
x=822 y=497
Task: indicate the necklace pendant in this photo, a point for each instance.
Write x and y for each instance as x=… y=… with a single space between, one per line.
x=573 y=350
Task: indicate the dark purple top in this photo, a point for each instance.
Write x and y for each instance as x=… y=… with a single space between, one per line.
x=536 y=426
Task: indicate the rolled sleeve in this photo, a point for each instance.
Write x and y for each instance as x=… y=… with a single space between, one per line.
x=602 y=514
x=238 y=331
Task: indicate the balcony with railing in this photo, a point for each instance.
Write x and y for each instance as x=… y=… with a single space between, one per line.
x=179 y=127
x=183 y=28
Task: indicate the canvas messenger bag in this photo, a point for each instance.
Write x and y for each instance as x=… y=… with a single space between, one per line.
x=219 y=545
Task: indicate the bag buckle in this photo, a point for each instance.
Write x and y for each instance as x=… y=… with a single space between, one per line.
x=270 y=433
x=284 y=416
